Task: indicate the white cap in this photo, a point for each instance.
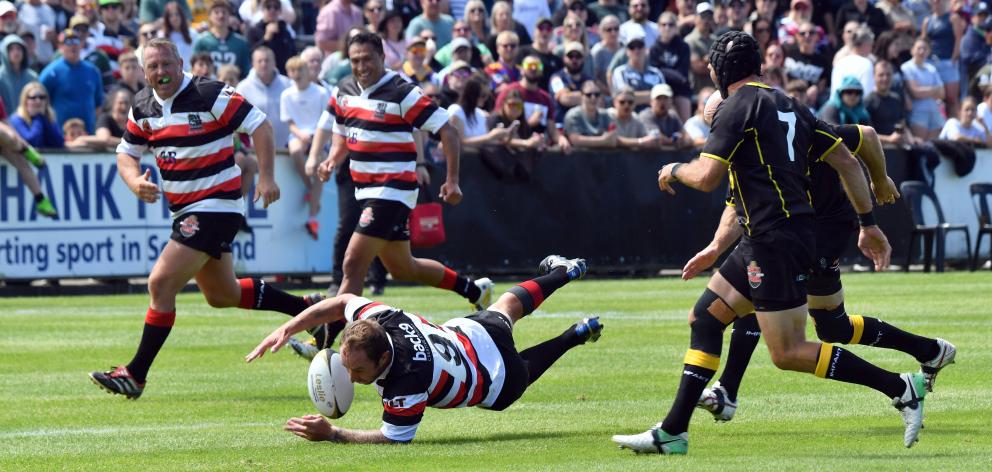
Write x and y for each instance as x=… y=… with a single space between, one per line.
x=661 y=90
x=460 y=42
x=7 y=7
x=703 y=8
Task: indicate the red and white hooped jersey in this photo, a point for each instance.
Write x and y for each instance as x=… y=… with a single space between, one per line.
x=452 y=365
x=377 y=123
x=191 y=135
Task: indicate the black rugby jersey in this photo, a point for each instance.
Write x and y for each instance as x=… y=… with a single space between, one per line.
x=764 y=137
x=830 y=202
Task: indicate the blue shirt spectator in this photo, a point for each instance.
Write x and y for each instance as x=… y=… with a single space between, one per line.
x=74 y=85
x=432 y=19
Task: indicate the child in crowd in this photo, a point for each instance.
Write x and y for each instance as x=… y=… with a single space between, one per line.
x=300 y=107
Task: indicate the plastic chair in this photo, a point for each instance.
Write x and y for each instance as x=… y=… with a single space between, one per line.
x=913 y=192
x=981 y=197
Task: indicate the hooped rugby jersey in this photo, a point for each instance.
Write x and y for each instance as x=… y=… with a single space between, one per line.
x=378 y=124
x=764 y=137
x=191 y=137
x=452 y=365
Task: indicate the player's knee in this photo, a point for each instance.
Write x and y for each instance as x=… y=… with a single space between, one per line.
x=159 y=286
x=707 y=321
x=832 y=325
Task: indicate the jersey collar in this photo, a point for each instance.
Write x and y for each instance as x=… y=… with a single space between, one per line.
x=187 y=78
x=382 y=80
x=759 y=84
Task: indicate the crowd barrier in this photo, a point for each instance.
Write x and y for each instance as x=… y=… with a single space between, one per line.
x=602 y=205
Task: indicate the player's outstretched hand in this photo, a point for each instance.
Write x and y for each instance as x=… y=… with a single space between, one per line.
x=311 y=428
x=325 y=169
x=874 y=245
x=885 y=192
x=272 y=343
x=267 y=190
x=451 y=193
x=701 y=261
x=665 y=178
x=145 y=189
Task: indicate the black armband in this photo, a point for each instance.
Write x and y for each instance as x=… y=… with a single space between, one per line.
x=866 y=219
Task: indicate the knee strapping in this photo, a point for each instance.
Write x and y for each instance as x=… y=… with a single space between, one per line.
x=835 y=326
x=709 y=318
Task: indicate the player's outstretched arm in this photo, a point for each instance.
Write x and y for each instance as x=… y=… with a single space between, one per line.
x=317 y=155
x=703 y=174
x=140 y=183
x=264 y=143
x=325 y=311
x=451 y=193
x=726 y=234
x=874 y=159
x=317 y=428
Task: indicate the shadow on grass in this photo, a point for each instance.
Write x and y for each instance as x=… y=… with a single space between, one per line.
x=511 y=436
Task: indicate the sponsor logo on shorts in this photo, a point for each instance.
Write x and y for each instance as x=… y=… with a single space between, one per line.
x=754 y=274
x=367 y=217
x=189 y=226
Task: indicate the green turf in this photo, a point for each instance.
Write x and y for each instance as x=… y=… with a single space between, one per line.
x=205 y=409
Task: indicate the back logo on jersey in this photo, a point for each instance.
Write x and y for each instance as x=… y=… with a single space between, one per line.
x=416 y=341
x=754 y=274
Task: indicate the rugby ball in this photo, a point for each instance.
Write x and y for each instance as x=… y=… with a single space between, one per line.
x=331 y=390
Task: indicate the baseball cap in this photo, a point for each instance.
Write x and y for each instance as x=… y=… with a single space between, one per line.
x=661 y=90
x=704 y=7
x=982 y=9
x=460 y=65
x=633 y=33
x=7 y=7
x=416 y=41
x=460 y=43
x=79 y=20
x=574 y=46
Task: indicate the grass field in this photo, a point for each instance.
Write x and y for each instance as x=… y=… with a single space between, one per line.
x=205 y=409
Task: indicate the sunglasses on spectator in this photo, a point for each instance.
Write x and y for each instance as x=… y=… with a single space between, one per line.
x=850 y=92
x=807 y=33
x=418 y=50
x=545 y=27
x=81 y=28
x=37 y=97
x=574 y=56
x=573 y=25
x=611 y=29
x=635 y=46
x=593 y=94
x=71 y=42
x=625 y=102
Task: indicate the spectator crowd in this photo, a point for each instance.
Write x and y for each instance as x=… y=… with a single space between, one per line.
x=516 y=76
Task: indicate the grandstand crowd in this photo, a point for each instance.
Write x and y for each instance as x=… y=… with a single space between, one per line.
x=516 y=77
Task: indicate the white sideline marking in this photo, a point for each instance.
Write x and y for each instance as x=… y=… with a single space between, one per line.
x=115 y=430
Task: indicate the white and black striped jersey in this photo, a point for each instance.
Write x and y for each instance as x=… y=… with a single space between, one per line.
x=191 y=135
x=453 y=365
x=378 y=124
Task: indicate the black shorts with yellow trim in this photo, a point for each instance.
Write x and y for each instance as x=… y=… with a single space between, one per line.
x=384 y=219
x=771 y=269
x=208 y=232
x=833 y=238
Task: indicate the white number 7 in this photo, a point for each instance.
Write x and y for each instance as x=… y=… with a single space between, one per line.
x=790 y=119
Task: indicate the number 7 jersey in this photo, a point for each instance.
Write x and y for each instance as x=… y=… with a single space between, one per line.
x=453 y=365
x=764 y=137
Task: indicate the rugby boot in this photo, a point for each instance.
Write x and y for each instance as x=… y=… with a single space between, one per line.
x=590 y=329
x=716 y=401
x=654 y=441
x=487 y=287
x=33 y=156
x=575 y=268
x=910 y=405
x=944 y=358
x=119 y=382
x=44 y=207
